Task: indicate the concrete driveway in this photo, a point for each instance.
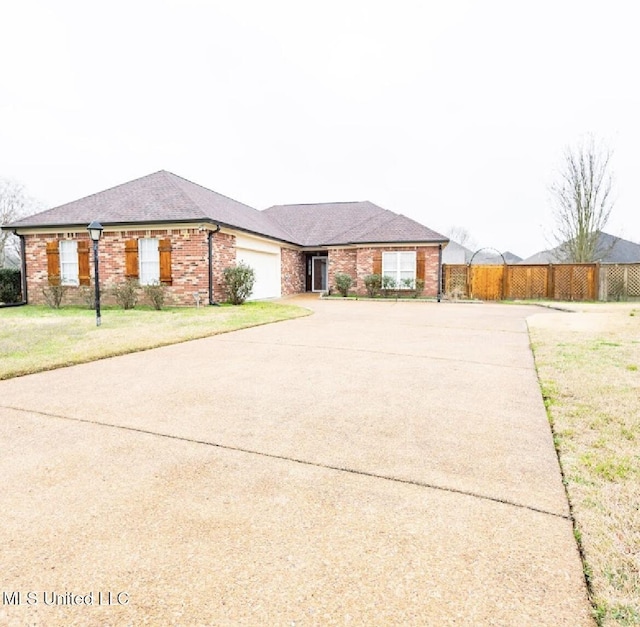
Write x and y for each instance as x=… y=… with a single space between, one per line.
x=376 y=463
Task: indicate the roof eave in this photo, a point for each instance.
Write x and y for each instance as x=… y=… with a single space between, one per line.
x=140 y=223
x=393 y=242
x=82 y=225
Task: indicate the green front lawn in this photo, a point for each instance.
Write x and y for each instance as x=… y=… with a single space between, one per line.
x=35 y=338
x=588 y=364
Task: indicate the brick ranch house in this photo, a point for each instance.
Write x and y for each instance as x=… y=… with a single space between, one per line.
x=163 y=228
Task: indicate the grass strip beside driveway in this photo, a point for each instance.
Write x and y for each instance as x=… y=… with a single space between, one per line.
x=589 y=368
x=35 y=338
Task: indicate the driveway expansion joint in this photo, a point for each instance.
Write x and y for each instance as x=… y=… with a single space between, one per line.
x=379 y=352
x=353 y=471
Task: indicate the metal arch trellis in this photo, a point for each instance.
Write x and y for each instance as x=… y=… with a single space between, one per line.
x=504 y=261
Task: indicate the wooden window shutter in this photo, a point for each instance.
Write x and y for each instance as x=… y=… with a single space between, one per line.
x=84 y=278
x=377 y=262
x=164 y=248
x=420 y=265
x=53 y=262
x=131 y=270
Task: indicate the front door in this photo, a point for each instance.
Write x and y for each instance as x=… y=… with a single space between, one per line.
x=319 y=274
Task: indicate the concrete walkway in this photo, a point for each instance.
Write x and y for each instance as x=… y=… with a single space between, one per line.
x=377 y=463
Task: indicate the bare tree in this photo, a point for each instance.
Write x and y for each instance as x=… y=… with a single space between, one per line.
x=582 y=202
x=462 y=236
x=14 y=204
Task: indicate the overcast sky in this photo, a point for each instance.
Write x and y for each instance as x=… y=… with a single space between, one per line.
x=449 y=112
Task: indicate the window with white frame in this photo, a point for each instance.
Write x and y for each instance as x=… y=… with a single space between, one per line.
x=401 y=267
x=69 y=262
x=149 y=260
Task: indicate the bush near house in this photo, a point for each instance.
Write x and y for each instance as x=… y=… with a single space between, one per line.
x=10 y=288
x=238 y=283
x=88 y=296
x=55 y=293
x=156 y=294
x=126 y=293
x=343 y=283
x=388 y=284
x=372 y=283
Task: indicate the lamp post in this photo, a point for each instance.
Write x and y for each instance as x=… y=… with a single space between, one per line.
x=95 y=231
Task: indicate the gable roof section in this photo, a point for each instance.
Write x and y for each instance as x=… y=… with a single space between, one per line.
x=159 y=197
x=340 y=223
x=163 y=197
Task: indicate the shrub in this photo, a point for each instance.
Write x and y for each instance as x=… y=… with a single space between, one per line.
x=343 y=283
x=372 y=283
x=456 y=293
x=126 y=293
x=419 y=287
x=388 y=284
x=88 y=296
x=10 y=287
x=156 y=293
x=54 y=294
x=238 y=283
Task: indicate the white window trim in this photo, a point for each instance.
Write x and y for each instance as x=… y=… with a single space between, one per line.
x=396 y=270
x=149 y=260
x=68 y=261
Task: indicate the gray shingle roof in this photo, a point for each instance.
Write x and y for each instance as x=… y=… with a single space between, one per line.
x=611 y=249
x=325 y=224
x=159 y=197
x=165 y=197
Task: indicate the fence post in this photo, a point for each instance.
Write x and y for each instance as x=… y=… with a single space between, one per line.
x=550 y=286
x=505 y=283
x=604 y=284
x=625 y=281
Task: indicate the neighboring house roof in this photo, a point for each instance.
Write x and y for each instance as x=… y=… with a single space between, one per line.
x=510 y=257
x=165 y=197
x=455 y=253
x=611 y=249
x=544 y=256
x=335 y=223
x=488 y=258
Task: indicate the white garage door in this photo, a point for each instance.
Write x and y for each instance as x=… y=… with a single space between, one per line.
x=264 y=258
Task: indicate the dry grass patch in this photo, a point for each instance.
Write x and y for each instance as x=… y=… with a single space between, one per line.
x=588 y=366
x=34 y=338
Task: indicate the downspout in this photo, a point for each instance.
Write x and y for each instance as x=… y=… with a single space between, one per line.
x=439 y=270
x=210 y=244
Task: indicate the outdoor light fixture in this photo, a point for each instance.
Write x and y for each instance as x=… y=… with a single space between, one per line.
x=95 y=232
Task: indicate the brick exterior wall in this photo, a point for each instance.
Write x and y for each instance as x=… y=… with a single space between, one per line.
x=224 y=256
x=343 y=260
x=189 y=264
x=292 y=278
x=364 y=265
x=432 y=256
x=359 y=262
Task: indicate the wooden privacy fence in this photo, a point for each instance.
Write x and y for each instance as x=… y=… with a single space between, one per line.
x=619 y=281
x=522 y=282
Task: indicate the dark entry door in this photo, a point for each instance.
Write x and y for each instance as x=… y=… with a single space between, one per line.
x=319 y=274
